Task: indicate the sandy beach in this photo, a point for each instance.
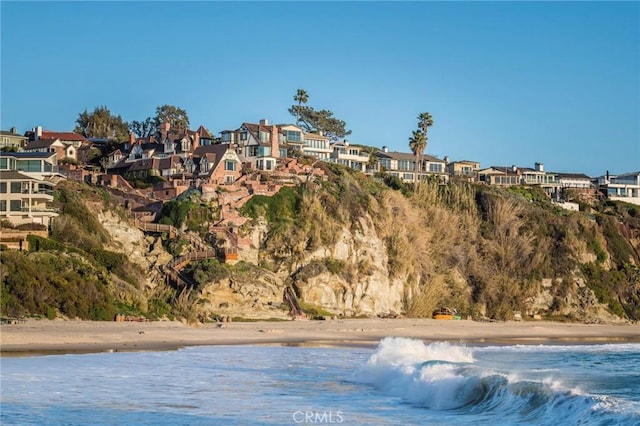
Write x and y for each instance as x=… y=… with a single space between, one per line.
x=44 y=336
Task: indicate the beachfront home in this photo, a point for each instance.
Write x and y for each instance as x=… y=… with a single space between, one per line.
x=27 y=180
x=25 y=199
x=624 y=187
x=218 y=164
x=12 y=140
x=500 y=176
x=257 y=144
x=39 y=165
x=464 y=169
x=354 y=156
x=403 y=165
x=574 y=186
x=317 y=145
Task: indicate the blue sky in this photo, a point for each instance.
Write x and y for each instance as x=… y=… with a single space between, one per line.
x=506 y=82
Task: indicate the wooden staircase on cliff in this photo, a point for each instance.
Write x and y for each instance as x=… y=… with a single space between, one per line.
x=292 y=300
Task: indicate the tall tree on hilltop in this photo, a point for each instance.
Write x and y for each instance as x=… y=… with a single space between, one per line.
x=419 y=138
x=143 y=128
x=176 y=117
x=101 y=124
x=302 y=97
x=417 y=143
x=312 y=120
x=425 y=120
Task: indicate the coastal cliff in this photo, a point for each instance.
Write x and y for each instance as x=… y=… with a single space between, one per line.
x=351 y=246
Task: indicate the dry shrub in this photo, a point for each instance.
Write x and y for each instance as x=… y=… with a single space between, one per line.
x=429 y=297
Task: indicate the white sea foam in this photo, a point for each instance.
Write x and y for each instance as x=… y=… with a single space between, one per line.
x=403 y=381
x=442 y=376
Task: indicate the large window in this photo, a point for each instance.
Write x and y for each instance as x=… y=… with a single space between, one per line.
x=230 y=165
x=3 y=206
x=435 y=167
x=29 y=165
x=16 y=188
x=406 y=165
x=15 y=206
x=293 y=136
x=3 y=187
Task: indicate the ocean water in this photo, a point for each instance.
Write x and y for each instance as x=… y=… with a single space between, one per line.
x=401 y=382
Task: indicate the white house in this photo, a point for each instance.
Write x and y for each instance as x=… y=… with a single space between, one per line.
x=624 y=187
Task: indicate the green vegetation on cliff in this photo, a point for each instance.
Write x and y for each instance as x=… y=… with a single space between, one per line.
x=70 y=272
x=486 y=251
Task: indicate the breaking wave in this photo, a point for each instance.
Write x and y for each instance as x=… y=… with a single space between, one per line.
x=442 y=376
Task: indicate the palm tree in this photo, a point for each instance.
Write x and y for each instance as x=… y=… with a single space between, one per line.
x=301 y=97
x=417 y=143
x=372 y=163
x=425 y=120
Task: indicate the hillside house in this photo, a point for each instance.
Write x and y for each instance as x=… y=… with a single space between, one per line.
x=353 y=156
x=464 y=169
x=12 y=140
x=258 y=145
x=403 y=165
x=624 y=187
x=27 y=180
x=500 y=176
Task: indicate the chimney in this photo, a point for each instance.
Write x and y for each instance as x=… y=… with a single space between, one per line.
x=539 y=167
x=196 y=141
x=132 y=138
x=446 y=159
x=164 y=129
x=275 y=145
x=14 y=130
x=320 y=132
x=264 y=122
x=38 y=134
x=385 y=149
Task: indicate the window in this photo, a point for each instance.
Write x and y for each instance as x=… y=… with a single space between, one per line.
x=229 y=179
x=230 y=166
x=15 y=206
x=3 y=206
x=435 y=167
x=29 y=165
x=293 y=136
x=407 y=176
x=3 y=187
x=3 y=163
x=16 y=188
x=406 y=165
x=243 y=136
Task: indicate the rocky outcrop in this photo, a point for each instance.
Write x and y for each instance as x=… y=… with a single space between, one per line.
x=253 y=294
x=144 y=251
x=360 y=283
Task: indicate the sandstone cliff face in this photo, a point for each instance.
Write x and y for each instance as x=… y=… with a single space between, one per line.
x=254 y=295
x=363 y=288
x=144 y=251
x=353 y=276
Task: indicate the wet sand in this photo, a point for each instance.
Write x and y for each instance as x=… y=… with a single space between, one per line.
x=59 y=336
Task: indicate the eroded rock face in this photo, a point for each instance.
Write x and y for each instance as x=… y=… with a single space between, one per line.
x=251 y=295
x=363 y=285
x=146 y=252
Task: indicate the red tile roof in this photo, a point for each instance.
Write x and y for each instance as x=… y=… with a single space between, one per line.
x=63 y=136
